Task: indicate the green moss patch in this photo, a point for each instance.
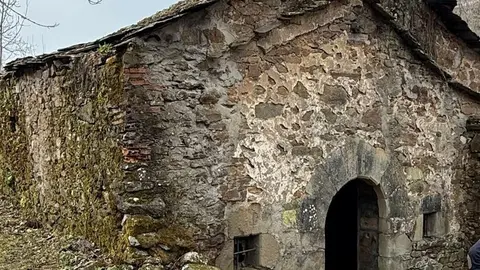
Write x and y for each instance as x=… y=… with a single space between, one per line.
x=82 y=159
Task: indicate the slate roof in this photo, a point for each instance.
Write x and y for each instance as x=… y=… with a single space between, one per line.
x=178 y=10
x=444 y=8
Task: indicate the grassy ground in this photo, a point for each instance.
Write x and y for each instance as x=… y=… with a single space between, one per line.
x=23 y=245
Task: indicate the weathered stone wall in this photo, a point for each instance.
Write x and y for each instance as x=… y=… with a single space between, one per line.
x=468 y=182
x=61 y=158
x=453 y=59
x=178 y=113
x=246 y=118
x=443 y=48
x=257 y=121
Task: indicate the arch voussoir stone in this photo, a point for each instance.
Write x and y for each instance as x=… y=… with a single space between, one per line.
x=355 y=159
x=372 y=162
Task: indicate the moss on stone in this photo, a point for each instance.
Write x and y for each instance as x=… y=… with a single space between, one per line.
x=14 y=162
x=162 y=239
x=75 y=186
x=177 y=237
x=289 y=217
x=92 y=162
x=174 y=236
x=136 y=225
x=76 y=191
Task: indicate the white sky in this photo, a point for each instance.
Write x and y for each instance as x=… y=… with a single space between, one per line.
x=81 y=22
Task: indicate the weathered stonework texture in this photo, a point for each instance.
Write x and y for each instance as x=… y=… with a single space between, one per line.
x=247 y=118
x=60 y=157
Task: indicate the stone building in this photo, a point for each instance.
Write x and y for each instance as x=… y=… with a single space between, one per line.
x=298 y=134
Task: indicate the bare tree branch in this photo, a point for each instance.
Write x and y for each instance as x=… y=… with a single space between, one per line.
x=12 y=22
x=2 y=2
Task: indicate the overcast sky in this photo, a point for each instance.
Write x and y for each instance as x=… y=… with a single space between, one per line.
x=81 y=22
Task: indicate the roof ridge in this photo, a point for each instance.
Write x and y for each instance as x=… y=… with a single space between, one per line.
x=118 y=37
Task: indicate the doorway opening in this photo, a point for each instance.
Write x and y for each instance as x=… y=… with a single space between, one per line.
x=351 y=228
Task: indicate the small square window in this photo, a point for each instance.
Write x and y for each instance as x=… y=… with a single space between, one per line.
x=245 y=252
x=430 y=224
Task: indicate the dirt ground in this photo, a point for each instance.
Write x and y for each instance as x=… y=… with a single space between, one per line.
x=24 y=245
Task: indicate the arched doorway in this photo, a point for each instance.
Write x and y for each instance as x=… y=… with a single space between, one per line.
x=351 y=228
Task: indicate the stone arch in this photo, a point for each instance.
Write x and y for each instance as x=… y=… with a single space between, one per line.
x=357 y=159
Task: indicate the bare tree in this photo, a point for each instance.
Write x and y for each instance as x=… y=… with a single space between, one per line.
x=12 y=21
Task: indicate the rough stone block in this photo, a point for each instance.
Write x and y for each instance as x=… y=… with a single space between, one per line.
x=268 y=251
x=199 y=267
x=268 y=110
x=301 y=90
x=418 y=233
x=308 y=219
x=334 y=95
x=386 y=263
x=473 y=123
x=393 y=246
x=431 y=204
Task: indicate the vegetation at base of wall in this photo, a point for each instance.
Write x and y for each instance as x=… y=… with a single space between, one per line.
x=75 y=194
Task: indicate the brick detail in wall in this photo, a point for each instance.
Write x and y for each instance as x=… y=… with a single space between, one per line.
x=133 y=148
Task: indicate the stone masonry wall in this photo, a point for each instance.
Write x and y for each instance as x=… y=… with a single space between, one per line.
x=178 y=113
x=448 y=54
x=241 y=103
x=241 y=119
x=459 y=65
x=61 y=159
